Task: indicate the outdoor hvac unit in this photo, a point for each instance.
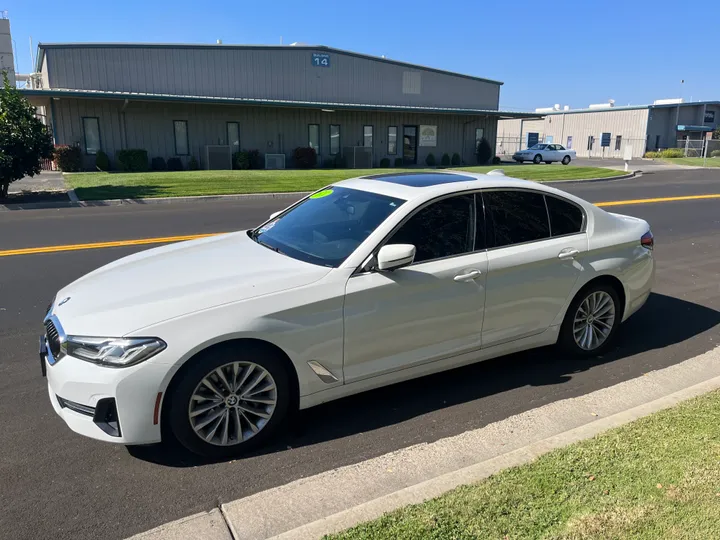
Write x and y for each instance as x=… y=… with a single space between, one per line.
x=274 y=161
x=218 y=157
x=358 y=157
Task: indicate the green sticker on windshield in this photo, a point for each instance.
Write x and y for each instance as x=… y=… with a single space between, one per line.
x=321 y=194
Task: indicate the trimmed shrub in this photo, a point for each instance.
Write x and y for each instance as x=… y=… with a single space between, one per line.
x=305 y=157
x=256 y=159
x=445 y=160
x=652 y=155
x=241 y=160
x=174 y=164
x=158 y=164
x=398 y=162
x=495 y=160
x=340 y=162
x=456 y=160
x=385 y=163
x=483 y=152
x=329 y=163
x=132 y=160
x=102 y=161
x=715 y=153
x=430 y=160
x=68 y=158
x=193 y=164
x=673 y=153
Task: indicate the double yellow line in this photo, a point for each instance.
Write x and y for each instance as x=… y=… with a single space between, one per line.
x=169 y=239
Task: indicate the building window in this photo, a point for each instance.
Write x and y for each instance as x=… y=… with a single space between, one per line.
x=233 y=136
x=569 y=142
x=334 y=139
x=368 y=136
x=479 y=134
x=392 y=140
x=618 y=142
x=314 y=137
x=91 y=129
x=591 y=141
x=182 y=146
x=657 y=142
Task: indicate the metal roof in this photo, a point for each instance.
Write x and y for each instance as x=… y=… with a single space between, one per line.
x=140 y=96
x=631 y=107
x=43 y=46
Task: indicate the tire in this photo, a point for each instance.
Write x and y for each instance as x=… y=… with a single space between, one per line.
x=566 y=160
x=568 y=331
x=537 y=159
x=263 y=361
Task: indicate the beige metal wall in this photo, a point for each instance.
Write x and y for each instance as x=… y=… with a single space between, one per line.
x=282 y=73
x=149 y=125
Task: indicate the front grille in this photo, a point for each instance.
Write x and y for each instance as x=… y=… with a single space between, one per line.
x=53 y=338
x=77 y=407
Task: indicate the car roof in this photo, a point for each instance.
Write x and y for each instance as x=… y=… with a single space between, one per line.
x=427 y=185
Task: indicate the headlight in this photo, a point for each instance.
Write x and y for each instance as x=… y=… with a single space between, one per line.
x=112 y=352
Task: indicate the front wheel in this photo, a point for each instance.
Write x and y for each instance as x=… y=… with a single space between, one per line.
x=566 y=160
x=231 y=399
x=591 y=321
x=537 y=159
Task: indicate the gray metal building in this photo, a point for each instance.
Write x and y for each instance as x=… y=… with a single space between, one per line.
x=608 y=131
x=178 y=100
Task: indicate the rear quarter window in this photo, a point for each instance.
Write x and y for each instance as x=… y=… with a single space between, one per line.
x=565 y=217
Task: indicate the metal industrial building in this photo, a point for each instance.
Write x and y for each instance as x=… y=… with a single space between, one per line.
x=606 y=131
x=208 y=101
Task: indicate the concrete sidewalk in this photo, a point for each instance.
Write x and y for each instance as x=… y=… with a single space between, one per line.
x=338 y=499
x=45 y=181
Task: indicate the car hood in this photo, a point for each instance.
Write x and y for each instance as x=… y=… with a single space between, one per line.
x=162 y=283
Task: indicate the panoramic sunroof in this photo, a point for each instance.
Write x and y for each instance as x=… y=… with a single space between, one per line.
x=420 y=179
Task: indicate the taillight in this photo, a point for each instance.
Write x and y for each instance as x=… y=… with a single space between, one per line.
x=647 y=240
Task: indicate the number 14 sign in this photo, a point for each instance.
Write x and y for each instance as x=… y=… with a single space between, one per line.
x=320 y=60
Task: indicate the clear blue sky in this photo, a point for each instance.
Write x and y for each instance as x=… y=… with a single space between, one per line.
x=568 y=52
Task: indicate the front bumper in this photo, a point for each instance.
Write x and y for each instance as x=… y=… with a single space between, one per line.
x=520 y=157
x=110 y=404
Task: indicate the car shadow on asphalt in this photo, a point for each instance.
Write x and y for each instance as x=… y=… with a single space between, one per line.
x=662 y=322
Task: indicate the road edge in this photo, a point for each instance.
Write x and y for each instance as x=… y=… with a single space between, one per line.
x=75 y=202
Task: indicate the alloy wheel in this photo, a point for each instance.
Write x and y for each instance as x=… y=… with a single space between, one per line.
x=594 y=320
x=232 y=403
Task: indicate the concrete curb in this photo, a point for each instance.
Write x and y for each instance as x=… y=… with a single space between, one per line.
x=437 y=486
x=75 y=202
x=334 y=500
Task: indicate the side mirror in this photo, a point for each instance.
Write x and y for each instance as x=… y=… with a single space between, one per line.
x=394 y=256
x=275 y=214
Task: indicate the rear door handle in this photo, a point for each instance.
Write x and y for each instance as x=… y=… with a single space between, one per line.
x=469 y=275
x=567 y=254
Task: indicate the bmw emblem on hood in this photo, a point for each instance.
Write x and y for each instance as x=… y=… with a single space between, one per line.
x=64 y=301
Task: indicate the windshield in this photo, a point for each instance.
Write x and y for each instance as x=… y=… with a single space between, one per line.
x=328 y=226
x=538 y=147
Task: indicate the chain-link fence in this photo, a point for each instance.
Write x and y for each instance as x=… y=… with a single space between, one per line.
x=696 y=147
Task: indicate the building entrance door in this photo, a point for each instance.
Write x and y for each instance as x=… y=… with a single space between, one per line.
x=410 y=143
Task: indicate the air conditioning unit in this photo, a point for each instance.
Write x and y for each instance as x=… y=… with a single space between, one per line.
x=274 y=161
x=218 y=157
x=358 y=157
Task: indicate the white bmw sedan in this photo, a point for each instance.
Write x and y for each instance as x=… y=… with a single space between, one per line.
x=365 y=283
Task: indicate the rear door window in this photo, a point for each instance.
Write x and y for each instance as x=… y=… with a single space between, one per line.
x=515 y=217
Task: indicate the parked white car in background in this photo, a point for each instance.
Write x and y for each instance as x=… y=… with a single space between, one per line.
x=365 y=283
x=545 y=152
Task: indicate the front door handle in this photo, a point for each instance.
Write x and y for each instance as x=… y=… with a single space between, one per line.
x=469 y=275
x=567 y=254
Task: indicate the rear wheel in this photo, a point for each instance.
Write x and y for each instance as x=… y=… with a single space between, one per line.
x=566 y=160
x=537 y=159
x=591 y=321
x=230 y=400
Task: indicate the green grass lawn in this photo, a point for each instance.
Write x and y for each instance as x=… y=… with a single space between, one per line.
x=658 y=477
x=695 y=161
x=96 y=186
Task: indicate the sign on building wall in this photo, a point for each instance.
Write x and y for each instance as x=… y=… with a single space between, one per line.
x=532 y=139
x=428 y=136
x=709 y=117
x=605 y=139
x=320 y=59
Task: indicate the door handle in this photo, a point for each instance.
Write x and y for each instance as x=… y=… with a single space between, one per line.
x=468 y=276
x=567 y=254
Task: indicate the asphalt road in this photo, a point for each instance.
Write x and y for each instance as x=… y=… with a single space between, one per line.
x=55 y=484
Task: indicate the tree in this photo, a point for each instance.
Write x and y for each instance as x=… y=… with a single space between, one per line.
x=483 y=152
x=716 y=134
x=24 y=139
